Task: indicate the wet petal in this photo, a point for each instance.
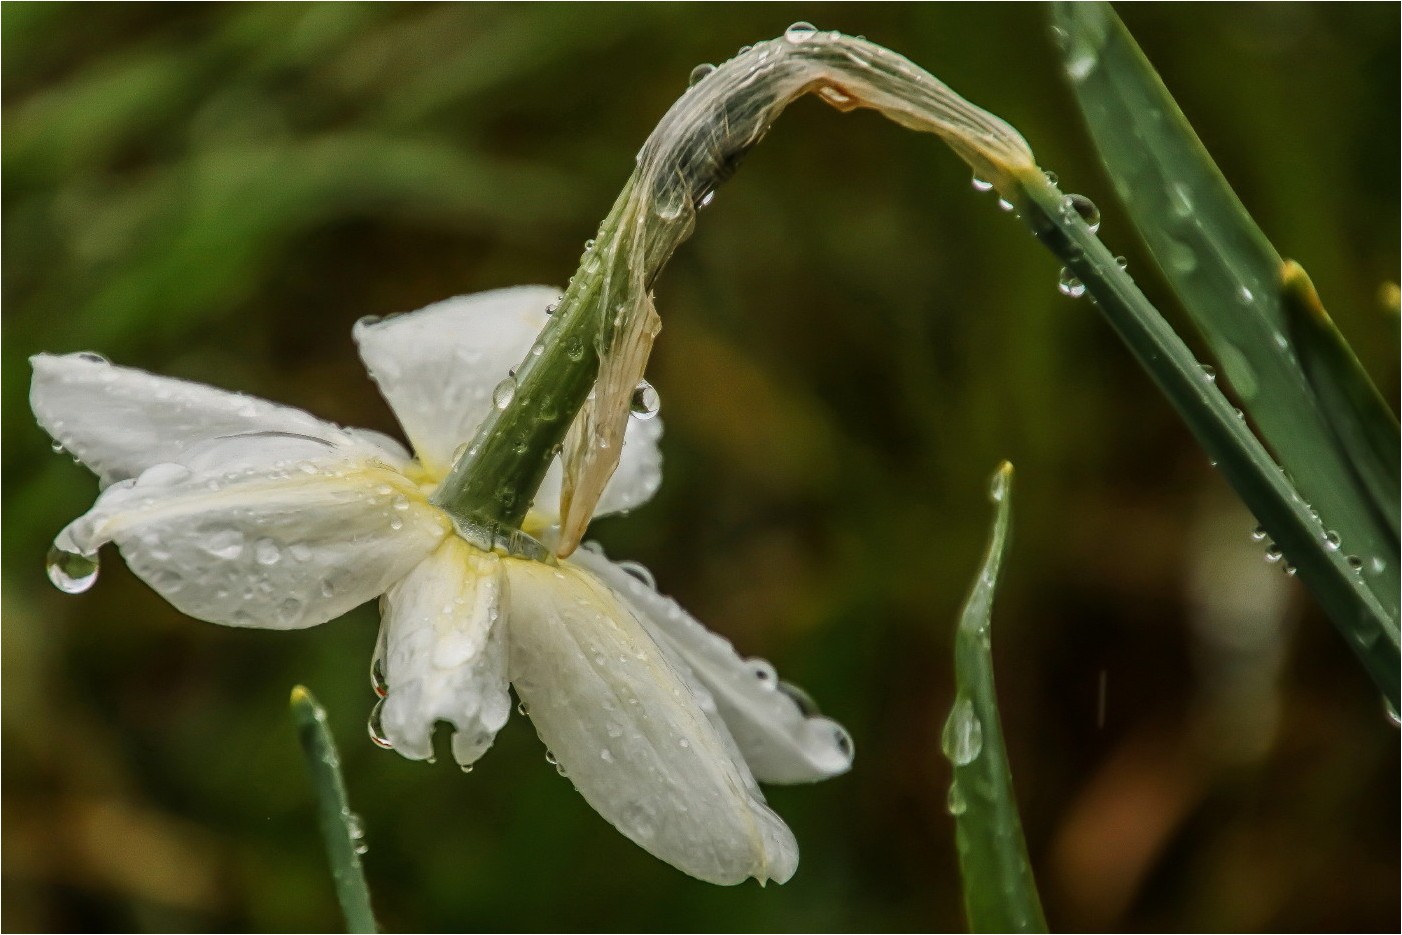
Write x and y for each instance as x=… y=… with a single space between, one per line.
x=267 y=539
x=625 y=727
x=437 y=367
x=445 y=653
x=119 y=421
x=776 y=727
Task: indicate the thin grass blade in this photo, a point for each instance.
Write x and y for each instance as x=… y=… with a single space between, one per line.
x=1000 y=894
x=1312 y=401
x=1345 y=591
x=340 y=828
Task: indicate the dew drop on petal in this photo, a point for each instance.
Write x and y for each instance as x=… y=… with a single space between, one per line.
x=266 y=552
x=1273 y=553
x=699 y=73
x=981 y=185
x=378 y=682
x=962 y=739
x=1259 y=534
x=71 y=572
x=640 y=572
x=375 y=727
x=800 y=32
x=645 y=402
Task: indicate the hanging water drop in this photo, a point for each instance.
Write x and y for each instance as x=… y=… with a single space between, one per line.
x=706 y=198
x=962 y=739
x=1259 y=534
x=981 y=185
x=1355 y=562
x=1122 y=263
x=645 y=402
x=640 y=572
x=504 y=393
x=56 y=447
x=1082 y=207
x=375 y=728
x=955 y=802
x=1004 y=204
x=1273 y=553
x=699 y=73
x=1332 y=541
x=71 y=572
x=800 y=32
x=1209 y=372
x=379 y=683
x=1051 y=177
x=1067 y=284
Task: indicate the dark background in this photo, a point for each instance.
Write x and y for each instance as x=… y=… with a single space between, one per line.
x=852 y=340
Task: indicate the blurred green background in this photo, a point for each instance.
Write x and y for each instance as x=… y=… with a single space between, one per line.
x=852 y=340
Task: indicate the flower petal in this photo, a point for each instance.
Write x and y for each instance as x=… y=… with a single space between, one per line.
x=445 y=653
x=775 y=725
x=119 y=421
x=267 y=539
x=438 y=366
x=623 y=724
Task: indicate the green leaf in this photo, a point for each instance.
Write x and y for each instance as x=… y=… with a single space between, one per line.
x=1000 y=894
x=340 y=828
x=1312 y=402
x=1347 y=593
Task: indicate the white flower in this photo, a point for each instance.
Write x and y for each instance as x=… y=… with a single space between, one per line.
x=246 y=513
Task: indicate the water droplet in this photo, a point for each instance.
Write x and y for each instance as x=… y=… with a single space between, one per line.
x=1355 y=562
x=266 y=552
x=1121 y=262
x=640 y=572
x=981 y=185
x=71 y=572
x=706 y=198
x=1273 y=553
x=699 y=73
x=1067 y=284
x=504 y=393
x=998 y=486
x=589 y=245
x=962 y=739
x=1209 y=372
x=523 y=708
x=1392 y=715
x=379 y=683
x=1259 y=534
x=575 y=351
x=93 y=357
x=843 y=741
x=56 y=447
x=606 y=755
x=1332 y=541
x=376 y=729
x=764 y=673
x=801 y=699
x=1289 y=569
x=1004 y=204
x=1052 y=178
x=1245 y=296
x=645 y=402
x=550 y=758
x=955 y=802
x=537 y=349
x=800 y=32
x=1082 y=207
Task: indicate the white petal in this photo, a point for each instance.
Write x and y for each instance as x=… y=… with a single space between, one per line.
x=445 y=653
x=438 y=366
x=636 y=479
x=119 y=421
x=627 y=730
x=289 y=544
x=782 y=738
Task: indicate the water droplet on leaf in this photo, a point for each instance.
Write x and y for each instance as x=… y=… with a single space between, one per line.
x=962 y=739
x=1067 y=284
x=645 y=402
x=71 y=572
x=504 y=393
x=800 y=32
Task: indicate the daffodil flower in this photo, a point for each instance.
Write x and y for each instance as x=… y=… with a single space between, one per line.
x=247 y=513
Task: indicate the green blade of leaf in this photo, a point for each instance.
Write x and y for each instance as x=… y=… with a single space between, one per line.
x=1000 y=894
x=1298 y=384
x=340 y=828
x=1346 y=593
x=1360 y=419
